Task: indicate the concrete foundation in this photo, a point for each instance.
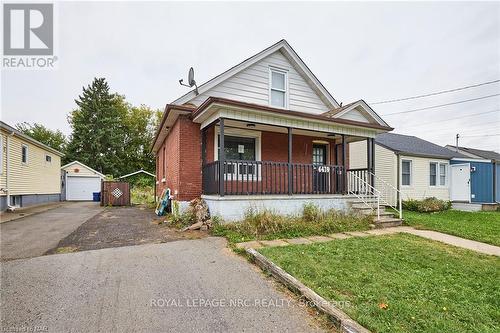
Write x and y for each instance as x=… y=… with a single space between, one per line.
x=233 y=208
x=26 y=200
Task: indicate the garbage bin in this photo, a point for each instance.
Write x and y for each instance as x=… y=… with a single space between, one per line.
x=96 y=196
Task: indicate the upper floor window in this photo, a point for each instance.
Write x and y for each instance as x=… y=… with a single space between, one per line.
x=24 y=154
x=48 y=158
x=278 y=88
x=405 y=172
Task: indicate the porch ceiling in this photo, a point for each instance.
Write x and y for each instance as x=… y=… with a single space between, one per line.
x=270 y=118
x=230 y=123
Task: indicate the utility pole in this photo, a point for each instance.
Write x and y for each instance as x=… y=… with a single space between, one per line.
x=458 y=136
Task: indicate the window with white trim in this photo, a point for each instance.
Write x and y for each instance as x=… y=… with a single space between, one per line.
x=406 y=172
x=24 y=154
x=48 y=159
x=239 y=149
x=438 y=174
x=442 y=174
x=278 y=88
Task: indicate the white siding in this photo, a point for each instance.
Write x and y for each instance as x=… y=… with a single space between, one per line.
x=385 y=167
x=252 y=86
x=420 y=188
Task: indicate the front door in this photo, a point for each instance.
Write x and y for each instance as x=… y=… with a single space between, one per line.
x=320 y=171
x=460 y=182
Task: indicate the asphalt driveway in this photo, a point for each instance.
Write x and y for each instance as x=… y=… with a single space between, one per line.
x=34 y=235
x=184 y=286
x=122 y=226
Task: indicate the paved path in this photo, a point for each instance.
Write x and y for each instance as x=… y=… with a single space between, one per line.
x=434 y=235
x=147 y=288
x=457 y=241
x=33 y=235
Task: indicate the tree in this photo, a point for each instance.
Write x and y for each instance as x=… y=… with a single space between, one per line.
x=99 y=134
x=140 y=123
x=54 y=139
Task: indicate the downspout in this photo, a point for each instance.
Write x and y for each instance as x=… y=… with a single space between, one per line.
x=7 y=167
x=398 y=186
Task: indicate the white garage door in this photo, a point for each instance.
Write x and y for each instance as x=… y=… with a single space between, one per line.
x=81 y=188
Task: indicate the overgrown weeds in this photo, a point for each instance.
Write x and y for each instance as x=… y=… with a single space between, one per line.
x=267 y=224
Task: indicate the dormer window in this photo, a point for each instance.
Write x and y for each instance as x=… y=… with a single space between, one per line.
x=278 y=88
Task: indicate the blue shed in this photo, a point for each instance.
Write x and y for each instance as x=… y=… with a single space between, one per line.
x=480 y=182
x=478 y=172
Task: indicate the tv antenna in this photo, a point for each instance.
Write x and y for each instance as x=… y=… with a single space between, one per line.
x=191 y=81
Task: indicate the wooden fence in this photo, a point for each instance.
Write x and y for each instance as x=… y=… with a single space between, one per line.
x=115 y=193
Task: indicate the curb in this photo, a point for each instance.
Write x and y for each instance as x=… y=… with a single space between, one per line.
x=340 y=319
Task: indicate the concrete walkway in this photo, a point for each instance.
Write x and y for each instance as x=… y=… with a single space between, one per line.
x=183 y=286
x=433 y=235
x=33 y=235
x=457 y=241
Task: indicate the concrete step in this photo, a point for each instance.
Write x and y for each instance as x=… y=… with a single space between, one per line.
x=386 y=222
x=366 y=205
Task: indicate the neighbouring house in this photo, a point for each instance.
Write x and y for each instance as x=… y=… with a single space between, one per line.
x=265 y=134
x=475 y=176
x=29 y=170
x=418 y=169
x=79 y=182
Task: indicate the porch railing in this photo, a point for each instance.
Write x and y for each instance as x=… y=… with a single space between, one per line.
x=268 y=177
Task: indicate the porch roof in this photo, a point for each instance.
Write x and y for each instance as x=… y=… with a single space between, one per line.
x=215 y=107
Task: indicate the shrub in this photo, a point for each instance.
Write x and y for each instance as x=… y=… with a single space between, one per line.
x=427 y=205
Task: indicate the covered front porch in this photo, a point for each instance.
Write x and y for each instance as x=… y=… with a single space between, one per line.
x=254 y=150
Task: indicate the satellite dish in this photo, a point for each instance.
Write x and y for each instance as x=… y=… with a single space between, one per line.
x=191 y=81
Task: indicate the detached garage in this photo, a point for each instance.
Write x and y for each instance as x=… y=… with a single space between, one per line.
x=79 y=181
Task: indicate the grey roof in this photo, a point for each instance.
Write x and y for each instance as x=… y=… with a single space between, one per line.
x=487 y=154
x=414 y=146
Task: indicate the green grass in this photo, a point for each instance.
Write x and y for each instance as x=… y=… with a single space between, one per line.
x=267 y=225
x=479 y=226
x=427 y=286
x=142 y=196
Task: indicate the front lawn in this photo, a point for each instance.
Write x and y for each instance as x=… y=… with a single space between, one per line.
x=479 y=226
x=401 y=282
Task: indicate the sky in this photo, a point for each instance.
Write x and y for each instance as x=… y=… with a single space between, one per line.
x=374 y=51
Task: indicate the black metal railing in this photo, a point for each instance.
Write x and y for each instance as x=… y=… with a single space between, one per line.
x=268 y=177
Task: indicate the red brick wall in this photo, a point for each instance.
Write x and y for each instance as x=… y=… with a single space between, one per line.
x=182 y=160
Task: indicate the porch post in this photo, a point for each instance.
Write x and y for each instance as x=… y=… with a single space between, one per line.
x=368 y=159
x=222 y=157
x=344 y=182
x=373 y=162
x=290 y=176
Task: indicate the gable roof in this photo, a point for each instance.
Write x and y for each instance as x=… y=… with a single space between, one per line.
x=342 y=110
x=487 y=154
x=414 y=146
x=85 y=166
x=288 y=51
x=8 y=128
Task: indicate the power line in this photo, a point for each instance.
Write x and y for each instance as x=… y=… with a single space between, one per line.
x=480 y=135
x=460 y=117
x=441 y=105
x=435 y=93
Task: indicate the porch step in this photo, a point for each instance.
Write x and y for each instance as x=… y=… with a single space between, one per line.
x=387 y=221
x=368 y=205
